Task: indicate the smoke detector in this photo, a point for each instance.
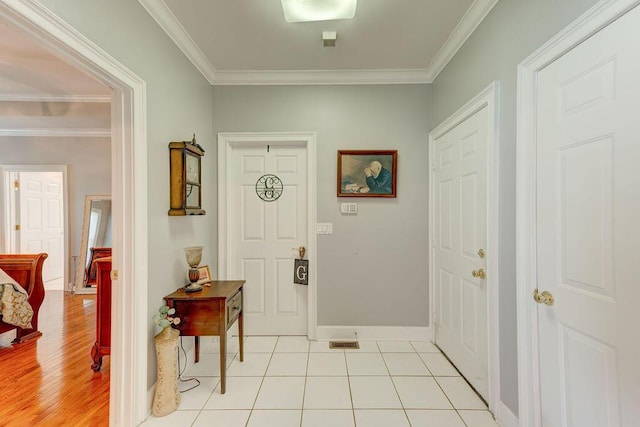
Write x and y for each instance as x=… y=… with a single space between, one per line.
x=329 y=38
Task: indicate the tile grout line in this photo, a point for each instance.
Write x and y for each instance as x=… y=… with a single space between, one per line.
x=439 y=386
x=464 y=379
x=452 y=405
x=404 y=410
x=353 y=409
x=304 y=388
x=264 y=375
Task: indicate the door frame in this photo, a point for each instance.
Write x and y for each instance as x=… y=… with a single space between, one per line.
x=593 y=20
x=10 y=205
x=489 y=98
x=128 y=377
x=226 y=142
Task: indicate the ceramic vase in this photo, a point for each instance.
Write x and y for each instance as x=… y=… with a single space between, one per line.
x=167 y=397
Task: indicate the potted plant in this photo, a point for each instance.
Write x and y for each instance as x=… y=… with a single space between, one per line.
x=165 y=317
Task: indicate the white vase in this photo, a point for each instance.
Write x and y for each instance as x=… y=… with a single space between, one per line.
x=167 y=397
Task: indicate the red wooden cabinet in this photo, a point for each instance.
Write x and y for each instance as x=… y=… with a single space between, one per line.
x=91 y=272
x=102 y=347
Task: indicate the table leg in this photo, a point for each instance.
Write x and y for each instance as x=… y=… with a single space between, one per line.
x=241 y=334
x=223 y=361
x=197 y=349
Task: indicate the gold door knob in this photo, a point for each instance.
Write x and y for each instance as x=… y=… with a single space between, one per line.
x=301 y=251
x=481 y=253
x=480 y=274
x=544 y=297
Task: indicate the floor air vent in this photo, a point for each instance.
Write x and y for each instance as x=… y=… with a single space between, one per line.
x=344 y=344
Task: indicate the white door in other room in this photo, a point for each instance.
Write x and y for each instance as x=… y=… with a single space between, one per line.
x=264 y=235
x=460 y=241
x=588 y=250
x=41 y=213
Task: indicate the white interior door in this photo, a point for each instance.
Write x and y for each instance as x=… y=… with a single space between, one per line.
x=41 y=213
x=263 y=234
x=460 y=215
x=588 y=206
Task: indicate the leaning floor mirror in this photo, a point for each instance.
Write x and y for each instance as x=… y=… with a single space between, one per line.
x=95 y=242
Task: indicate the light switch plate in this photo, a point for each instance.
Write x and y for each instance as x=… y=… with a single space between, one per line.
x=349 y=208
x=324 y=228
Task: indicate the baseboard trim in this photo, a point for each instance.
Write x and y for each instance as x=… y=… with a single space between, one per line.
x=150 y=392
x=505 y=417
x=375 y=333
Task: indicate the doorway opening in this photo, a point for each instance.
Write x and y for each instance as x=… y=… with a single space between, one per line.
x=128 y=388
x=35 y=201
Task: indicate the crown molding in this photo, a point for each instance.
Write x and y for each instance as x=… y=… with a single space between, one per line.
x=37 y=97
x=467 y=25
x=174 y=29
x=161 y=13
x=57 y=132
x=321 y=77
x=66 y=126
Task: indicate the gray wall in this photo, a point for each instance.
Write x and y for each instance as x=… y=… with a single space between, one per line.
x=355 y=285
x=179 y=103
x=88 y=163
x=373 y=270
x=513 y=30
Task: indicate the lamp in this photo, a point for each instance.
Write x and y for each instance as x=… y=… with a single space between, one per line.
x=194 y=256
x=318 y=10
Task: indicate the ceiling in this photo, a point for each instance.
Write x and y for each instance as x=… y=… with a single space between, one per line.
x=249 y=41
x=28 y=71
x=41 y=95
x=240 y=42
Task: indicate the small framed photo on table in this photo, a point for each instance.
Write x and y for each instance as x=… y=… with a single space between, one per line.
x=205 y=276
x=367 y=173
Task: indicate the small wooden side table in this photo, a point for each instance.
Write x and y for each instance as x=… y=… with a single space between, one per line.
x=210 y=312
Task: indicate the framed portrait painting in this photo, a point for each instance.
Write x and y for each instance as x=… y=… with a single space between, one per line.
x=367 y=173
x=205 y=275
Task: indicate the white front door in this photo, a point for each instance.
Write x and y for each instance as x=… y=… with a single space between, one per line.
x=42 y=221
x=588 y=251
x=264 y=234
x=460 y=236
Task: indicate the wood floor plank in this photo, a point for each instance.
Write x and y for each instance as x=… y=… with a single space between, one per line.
x=49 y=381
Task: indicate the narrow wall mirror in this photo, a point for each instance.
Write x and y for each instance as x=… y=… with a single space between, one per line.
x=95 y=242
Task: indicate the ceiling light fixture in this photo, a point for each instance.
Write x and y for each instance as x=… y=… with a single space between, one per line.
x=318 y=10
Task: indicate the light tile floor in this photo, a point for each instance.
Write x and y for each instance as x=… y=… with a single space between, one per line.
x=290 y=381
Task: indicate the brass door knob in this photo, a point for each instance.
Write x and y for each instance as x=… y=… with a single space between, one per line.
x=480 y=274
x=481 y=253
x=544 y=297
x=301 y=251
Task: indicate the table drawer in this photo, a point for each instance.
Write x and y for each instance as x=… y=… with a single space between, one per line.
x=234 y=307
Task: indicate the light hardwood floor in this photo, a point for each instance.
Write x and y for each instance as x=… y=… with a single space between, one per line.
x=48 y=381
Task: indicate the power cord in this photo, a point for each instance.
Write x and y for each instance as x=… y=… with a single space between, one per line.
x=181 y=370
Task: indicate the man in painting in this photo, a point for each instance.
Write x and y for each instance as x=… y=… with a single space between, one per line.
x=379 y=179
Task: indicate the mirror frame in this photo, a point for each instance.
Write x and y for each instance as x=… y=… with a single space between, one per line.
x=84 y=241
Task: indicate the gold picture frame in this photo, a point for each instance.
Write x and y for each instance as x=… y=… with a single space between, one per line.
x=205 y=276
x=367 y=173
